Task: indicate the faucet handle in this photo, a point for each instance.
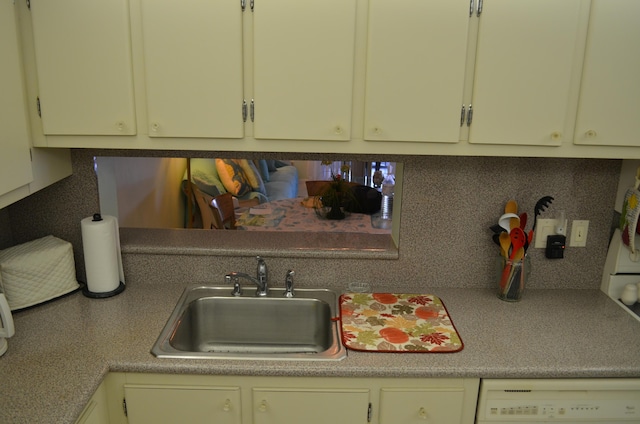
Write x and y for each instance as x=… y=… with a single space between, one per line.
x=288 y=284
x=237 y=288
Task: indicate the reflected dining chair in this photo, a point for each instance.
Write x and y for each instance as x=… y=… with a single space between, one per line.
x=223 y=205
x=216 y=212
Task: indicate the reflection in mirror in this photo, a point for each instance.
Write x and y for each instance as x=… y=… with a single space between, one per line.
x=268 y=195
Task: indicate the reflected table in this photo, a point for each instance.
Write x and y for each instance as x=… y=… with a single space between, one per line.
x=292 y=215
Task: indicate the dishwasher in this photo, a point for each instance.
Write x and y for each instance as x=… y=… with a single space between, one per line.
x=580 y=400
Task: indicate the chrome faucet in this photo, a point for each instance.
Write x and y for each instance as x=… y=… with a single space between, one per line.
x=261 y=281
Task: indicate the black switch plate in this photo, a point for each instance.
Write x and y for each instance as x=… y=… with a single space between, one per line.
x=555 y=246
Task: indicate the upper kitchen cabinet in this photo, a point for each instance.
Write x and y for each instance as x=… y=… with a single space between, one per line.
x=303 y=69
x=193 y=68
x=415 y=71
x=23 y=169
x=527 y=59
x=15 y=160
x=609 y=108
x=84 y=73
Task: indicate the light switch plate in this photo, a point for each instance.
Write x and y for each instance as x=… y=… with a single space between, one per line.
x=579 y=231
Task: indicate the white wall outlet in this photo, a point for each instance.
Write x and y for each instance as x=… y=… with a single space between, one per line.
x=545 y=228
x=579 y=230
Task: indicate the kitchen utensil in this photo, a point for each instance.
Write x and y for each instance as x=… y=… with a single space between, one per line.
x=516 y=275
x=517 y=238
x=506 y=220
x=511 y=207
x=505 y=244
x=523 y=220
x=541 y=205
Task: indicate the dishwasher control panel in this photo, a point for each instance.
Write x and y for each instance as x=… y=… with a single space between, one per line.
x=549 y=409
x=559 y=400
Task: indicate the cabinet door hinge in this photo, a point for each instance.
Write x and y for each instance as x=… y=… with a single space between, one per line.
x=252 y=110
x=38 y=106
x=469 y=115
x=124 y=406
x=369 y=412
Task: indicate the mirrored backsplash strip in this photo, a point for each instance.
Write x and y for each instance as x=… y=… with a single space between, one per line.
x=448 y=205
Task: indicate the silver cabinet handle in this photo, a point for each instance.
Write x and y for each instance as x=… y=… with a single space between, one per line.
x=480 y=4
x=469 y=116
x=471 y=5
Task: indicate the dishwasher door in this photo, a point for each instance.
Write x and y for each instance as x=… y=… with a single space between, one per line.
x=580 y=400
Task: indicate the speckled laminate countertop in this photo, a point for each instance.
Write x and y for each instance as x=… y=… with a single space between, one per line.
x=62 y=350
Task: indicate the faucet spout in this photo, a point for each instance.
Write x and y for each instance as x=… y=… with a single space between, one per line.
x=261 y=279
x=262 y=275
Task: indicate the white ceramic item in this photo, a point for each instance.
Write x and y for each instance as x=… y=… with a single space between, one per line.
x=6 y=324
x=629 y=294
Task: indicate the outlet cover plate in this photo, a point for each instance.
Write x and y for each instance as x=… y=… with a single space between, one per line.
x=545 y=228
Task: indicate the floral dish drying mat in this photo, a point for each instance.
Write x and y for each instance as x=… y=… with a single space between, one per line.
x=393 y=322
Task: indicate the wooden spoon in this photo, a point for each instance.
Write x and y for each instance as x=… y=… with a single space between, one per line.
x=512 y=207
x=505 y=243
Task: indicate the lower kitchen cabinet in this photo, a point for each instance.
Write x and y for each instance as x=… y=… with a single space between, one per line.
x=409 y=406
x=135 y=398
x=310 y=406
x=96 y=410
x=182 y=404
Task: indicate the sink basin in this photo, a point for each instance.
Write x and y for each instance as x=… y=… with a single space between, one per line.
x=208 y=322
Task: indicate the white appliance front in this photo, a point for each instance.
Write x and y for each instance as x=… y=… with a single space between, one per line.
x=6 y=323
x=594 y=401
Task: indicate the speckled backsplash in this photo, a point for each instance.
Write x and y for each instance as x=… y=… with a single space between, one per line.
x=448 y=205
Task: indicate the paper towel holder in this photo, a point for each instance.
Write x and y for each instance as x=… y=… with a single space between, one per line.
x=102 y=295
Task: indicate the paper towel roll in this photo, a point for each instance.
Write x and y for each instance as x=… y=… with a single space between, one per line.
x=102 y=258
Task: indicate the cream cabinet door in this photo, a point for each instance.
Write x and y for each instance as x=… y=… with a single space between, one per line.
x=609 y=98
x=417 y=406
x=526 y=56
x=193 y=68
x=310 y=406
x=15 y=162
x=303 y=69
x=416 y=58
x=83 y=56
x=160 y=404
x=96 y=411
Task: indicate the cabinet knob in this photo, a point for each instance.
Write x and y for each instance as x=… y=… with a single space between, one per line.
x=155 y=127
x=591 y=133
x=338 y=130
x=121 y=126
x=377 y=130
x=422 y=414
x=556 y=135
x=227 y=405
x=263 y=406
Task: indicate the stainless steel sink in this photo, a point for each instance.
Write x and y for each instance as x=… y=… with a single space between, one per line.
x=208 y=322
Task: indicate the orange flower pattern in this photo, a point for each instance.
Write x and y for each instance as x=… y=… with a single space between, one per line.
x=386 y=322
